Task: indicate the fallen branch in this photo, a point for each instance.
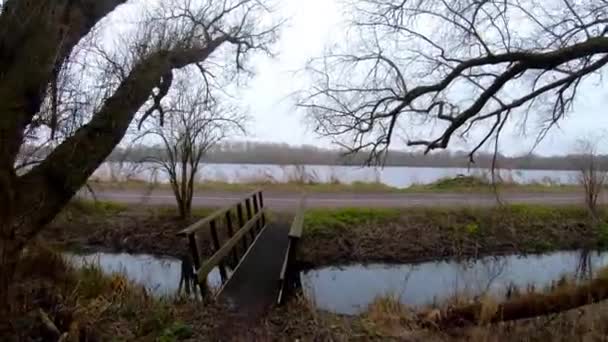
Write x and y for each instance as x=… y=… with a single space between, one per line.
x=532 y=305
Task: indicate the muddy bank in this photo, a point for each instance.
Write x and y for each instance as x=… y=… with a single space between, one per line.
x=109 y=227
x=387 y=321
x=131 y=229
x=423 y=234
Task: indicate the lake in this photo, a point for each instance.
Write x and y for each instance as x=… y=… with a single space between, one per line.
x=394 y=176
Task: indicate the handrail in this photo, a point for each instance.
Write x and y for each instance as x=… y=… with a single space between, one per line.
x=215 y=215
x=297 y=226
x=295 y=233
x=216 y=258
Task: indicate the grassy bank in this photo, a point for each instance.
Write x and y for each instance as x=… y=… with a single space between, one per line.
x=458 y=184
x=387 y=320
x=347 y=235
x=50 y=299
x=418 y=234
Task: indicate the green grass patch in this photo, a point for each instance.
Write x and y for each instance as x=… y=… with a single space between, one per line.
x=317 y=221
x=544 y=212
x=459 y=182
x=602 y=234
x=89 y=207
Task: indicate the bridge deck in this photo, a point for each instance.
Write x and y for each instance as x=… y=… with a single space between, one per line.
x=253 y=287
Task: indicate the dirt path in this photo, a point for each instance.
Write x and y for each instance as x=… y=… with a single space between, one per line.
x=280 y=200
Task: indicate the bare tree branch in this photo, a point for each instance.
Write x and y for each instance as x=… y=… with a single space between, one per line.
x=432 y=53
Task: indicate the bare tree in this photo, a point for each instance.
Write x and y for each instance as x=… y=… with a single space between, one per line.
x=195 y=123
x=431 y=71
x=592 y=174
x=38 y=38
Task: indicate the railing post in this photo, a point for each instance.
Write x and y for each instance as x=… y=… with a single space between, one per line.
x=196 y=260
x=239 y=213
x=216 y=245
x=256 y=210
x=249 y=216
x=262 y=208
x=235 y=255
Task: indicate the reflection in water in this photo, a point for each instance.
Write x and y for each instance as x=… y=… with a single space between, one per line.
x=350 y=289
x=161 y=275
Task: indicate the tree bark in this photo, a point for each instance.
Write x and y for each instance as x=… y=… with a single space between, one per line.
x=31 y=201
x=10 y=251
x=528 y=306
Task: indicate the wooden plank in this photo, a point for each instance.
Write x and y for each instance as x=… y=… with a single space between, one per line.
x=214 y=260
x=297 y=226
x=255 y=210
x=283 y=274
x=262 y=207
x=249 y=216
x=216 y=214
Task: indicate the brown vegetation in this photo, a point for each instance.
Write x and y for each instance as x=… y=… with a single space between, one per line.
x=54 y=302
x=419 y=234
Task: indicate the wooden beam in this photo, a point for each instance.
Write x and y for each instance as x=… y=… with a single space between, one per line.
x=214 y=260
x=297 y=227
x=215 y=215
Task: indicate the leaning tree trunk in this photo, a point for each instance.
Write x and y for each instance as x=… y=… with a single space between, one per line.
x=9 y=247
x=528 y=306
x=10 y=250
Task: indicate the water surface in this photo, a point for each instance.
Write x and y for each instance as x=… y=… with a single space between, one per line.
x=394 y=176
x=350 y=289
x=159 y=274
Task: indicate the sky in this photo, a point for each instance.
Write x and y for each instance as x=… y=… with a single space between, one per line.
x=313 y=24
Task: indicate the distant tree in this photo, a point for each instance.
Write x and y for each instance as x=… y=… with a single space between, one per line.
x=431 y=71
x=43 y=42
x=195 y=123
x=592 y=173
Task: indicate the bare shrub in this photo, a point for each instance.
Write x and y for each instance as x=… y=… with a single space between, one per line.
x=592 y=174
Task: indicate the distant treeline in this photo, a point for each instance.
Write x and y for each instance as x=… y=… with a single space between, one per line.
x=283 y=154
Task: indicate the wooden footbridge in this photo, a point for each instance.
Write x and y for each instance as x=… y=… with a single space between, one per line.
x=254 y=256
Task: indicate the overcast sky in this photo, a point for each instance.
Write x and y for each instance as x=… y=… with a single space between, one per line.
x=312 y=25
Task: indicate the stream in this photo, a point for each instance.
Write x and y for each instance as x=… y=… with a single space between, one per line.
x=349 y=289
x=158 y=274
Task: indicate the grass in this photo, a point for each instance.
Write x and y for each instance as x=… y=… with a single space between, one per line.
x=320 y=221
x=388 y=319
x=89 y=207
x=88 y=304
x=419 y=234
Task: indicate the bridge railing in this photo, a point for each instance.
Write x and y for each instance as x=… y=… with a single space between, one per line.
x=286 y=277
x=250 y=214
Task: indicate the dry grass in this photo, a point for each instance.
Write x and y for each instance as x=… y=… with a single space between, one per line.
x=387 y=320
x=87 y=304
